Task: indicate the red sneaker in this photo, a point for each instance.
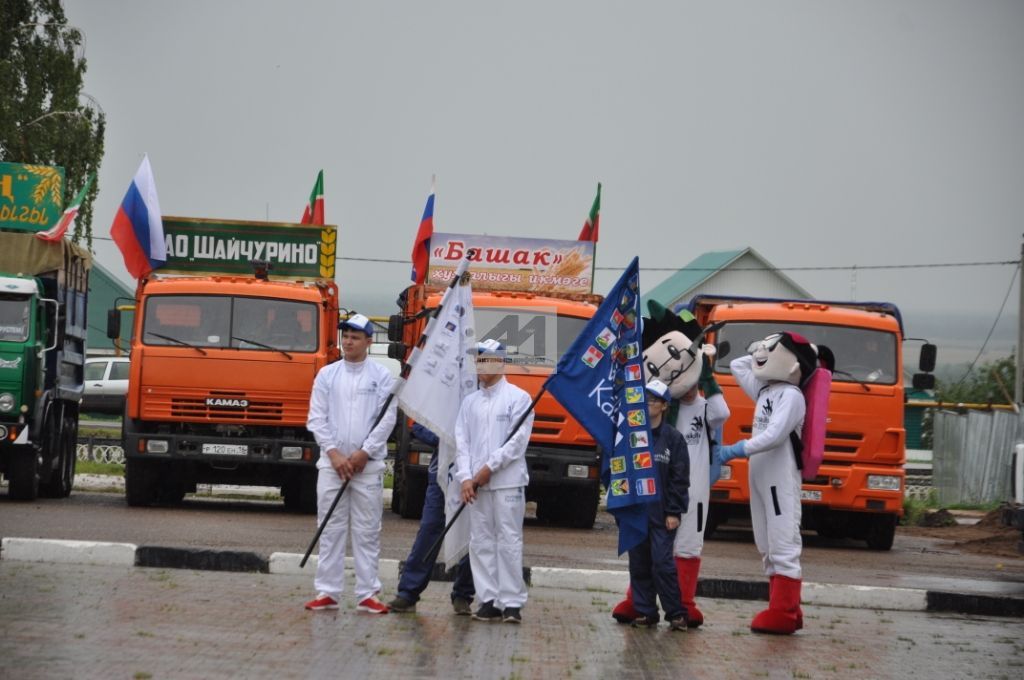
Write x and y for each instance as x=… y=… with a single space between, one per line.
x=372 y=605
x=322 y=602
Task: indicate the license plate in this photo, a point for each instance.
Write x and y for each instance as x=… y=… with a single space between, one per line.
x=226 y=449
x=808 y=495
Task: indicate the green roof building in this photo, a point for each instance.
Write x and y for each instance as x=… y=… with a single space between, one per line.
x=726 y=272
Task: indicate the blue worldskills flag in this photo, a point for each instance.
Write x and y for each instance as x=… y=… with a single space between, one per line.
x=599 y=380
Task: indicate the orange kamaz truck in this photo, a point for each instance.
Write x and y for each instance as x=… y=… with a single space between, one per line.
x=537 y=327
x=860 y=486
x=222 y=364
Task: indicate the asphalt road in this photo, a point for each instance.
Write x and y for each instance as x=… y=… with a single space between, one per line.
x=265 y=527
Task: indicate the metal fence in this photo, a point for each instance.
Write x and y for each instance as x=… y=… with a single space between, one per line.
x=100 y=450
x=973 y=455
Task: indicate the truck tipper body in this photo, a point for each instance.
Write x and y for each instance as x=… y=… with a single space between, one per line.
x=44 y=290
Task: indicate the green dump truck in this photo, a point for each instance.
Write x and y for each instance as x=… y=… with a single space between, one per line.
x=44 y=288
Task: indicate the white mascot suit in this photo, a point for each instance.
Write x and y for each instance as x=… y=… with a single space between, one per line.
x=770 y=375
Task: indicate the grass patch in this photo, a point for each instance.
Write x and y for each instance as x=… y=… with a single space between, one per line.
x=915 y=509
x=88 y=467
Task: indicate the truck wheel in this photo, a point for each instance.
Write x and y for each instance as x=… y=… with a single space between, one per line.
x=23 y=474
x=63 y=445
x=580 y=510
x=711 y=522
x=881 y=532
x=413 y=492
x=141 y=482
x=299 y=493
x=396 y=484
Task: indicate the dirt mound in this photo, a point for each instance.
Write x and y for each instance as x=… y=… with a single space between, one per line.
x=989 y=536
x=939 y=518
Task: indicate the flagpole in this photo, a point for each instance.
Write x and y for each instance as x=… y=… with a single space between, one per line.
x=431 y=555
x=460 y=271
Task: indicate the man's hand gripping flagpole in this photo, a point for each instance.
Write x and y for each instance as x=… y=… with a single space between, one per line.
x=432 y=554
x=395 y=390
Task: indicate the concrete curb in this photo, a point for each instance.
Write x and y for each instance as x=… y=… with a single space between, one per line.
x=826 y=594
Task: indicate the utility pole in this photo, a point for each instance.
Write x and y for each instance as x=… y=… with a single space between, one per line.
x=1018 y=383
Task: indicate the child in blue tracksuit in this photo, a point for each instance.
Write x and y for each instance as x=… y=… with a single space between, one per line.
x=652 y=567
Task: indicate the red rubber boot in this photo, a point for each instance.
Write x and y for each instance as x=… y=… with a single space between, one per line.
x=781 y=617
x=687 y=569
x=624 y=611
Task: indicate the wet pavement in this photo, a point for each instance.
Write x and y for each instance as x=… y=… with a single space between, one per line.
x=265 y=527
x=59 y=620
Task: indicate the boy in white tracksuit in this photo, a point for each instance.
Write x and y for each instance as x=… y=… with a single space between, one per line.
x=698 y=415
x=494 y=476
x=347 y=396
x=769 y=376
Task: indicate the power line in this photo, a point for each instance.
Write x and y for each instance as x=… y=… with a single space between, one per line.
x=858 y=267
x=990 y=330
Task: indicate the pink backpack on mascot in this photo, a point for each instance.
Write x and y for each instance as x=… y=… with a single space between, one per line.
x=809 y=446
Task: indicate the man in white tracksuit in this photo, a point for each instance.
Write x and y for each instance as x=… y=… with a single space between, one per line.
x=698 y=416
x=769 y=376
x=494 y=476
x=347 y=397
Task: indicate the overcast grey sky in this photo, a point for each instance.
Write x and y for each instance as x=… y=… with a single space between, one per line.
x=820 y=133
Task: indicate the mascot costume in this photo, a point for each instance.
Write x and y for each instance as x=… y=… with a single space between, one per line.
x=674 y=353
x=771 y=375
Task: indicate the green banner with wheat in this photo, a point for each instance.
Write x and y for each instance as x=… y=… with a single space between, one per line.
x=31 y=196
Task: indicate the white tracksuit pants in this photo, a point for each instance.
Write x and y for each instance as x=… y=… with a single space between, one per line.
x=358 y=513
x=496 y=546
x=689 y=540
x=775 y=511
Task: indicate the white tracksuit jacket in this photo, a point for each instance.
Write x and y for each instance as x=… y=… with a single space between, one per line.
x=346 y=398
x=691 y=424
x=496 y=517
x=773 y=475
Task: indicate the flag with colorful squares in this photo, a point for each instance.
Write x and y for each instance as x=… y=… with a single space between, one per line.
x=599 y=380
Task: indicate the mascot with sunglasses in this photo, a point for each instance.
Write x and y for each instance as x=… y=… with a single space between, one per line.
x=675 y=353
x=771 y=375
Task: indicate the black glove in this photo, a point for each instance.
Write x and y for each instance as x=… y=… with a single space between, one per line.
x=707 y=382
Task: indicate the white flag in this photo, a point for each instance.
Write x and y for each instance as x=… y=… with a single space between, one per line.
x=442 y=373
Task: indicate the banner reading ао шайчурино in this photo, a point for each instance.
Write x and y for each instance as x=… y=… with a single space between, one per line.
x=209 y=246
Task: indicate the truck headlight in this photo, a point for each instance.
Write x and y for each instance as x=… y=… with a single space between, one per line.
x=6 y=402
x=884 y=482
x=291 y=453
x=726 y=473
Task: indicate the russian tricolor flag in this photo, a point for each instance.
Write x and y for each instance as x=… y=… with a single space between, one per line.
x=421 y=247
x=138 y=229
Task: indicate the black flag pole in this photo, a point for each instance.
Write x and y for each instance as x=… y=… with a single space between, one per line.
x=406 y=368
x=431 y=555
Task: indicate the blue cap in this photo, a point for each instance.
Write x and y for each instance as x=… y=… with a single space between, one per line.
x=357 y=322
x=490 y=348
x=659 y=389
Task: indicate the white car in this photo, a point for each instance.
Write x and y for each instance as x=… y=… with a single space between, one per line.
x=106 y=384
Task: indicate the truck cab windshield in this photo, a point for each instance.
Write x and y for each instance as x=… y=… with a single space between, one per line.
x=862 y=355
x=14 y=318
x=221 y=321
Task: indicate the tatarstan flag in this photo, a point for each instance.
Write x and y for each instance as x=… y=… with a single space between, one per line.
x=589 y=231
x=57 y=231
x=314 y=212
